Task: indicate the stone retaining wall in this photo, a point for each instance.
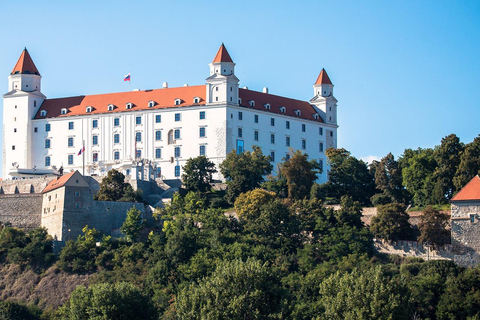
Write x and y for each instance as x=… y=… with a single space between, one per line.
x=21 y=210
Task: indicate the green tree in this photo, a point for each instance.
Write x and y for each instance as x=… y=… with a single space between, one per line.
x=79 y=256
x=10 y=310
x=469 y=165
x=133 y=224
x=236 y=290
x=197 y=174
x=108 y=301
x=300 y=174
x=244 y=171
x=388 y=179
x=433 y=227
x=348 y=176
x=248 y=204
x=448 y=155
x=114 y=188
x=363 y=294
x=391 y=223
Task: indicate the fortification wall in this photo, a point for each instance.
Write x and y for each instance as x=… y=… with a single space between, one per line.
x=35 y=185
x=21 y=210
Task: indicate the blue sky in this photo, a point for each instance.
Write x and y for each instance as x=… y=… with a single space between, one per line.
x=406 y=73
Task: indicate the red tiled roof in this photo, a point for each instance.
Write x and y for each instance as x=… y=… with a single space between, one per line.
x=59 y=182
x=163 y=98
x=25 y=64
x=222 y=55
x=323 y=78
x=471 y=191
x=275 y=102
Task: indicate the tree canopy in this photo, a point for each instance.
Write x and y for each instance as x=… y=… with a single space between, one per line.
x=300 y=174
x=197 y=174
x=114 y=188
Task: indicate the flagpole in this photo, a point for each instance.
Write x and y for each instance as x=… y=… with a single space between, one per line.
x=83 y=161
x=130 y=81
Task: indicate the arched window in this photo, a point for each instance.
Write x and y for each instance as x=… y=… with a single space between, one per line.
x=88 y=109
x=43 y=113
x=64 y=111
x=170 y=137
x=111 y=107
x=151 y=104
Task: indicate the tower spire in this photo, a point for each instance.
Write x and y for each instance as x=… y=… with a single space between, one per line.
x=222 y=55
x=323 y=78
x=25 y=64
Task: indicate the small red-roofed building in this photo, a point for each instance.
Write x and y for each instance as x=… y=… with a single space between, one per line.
x=160 y=127
x=465 y=224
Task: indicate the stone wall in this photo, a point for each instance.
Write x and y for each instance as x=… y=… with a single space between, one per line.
x=35 y=185
x=21 y=210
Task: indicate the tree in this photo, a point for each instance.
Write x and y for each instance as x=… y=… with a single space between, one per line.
x=363 y=294
x=236 y=290
x=133 y=224
x=391 y=223
x=248 y=204
x=300 y=174
x=108 y=301
x=244 y=171
x=433 y=226
x=348 y=176
x=197 y=174
x=10 y=310
x=448 y=155
x=388 y=178
x=114 y=188
x=469 y=164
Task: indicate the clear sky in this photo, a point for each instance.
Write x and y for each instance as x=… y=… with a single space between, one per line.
x=406 y=73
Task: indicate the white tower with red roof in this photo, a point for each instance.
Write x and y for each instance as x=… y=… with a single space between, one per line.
x=20 y=104
x=222 y=84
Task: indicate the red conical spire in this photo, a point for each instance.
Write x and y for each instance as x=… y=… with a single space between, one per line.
x=222 y=55
x=25 y=65
x=323 y=78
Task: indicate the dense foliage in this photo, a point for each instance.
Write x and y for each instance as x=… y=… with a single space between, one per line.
x=114 y=188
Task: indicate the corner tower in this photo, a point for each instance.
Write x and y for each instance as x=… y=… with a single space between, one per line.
x=20 y=104
x=222 y=84
x=323 y=100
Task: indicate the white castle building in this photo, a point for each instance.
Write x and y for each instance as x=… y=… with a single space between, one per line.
x=164 y=127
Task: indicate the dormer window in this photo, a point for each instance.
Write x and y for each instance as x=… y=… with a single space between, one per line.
x=151 y=104
x=88 y=109
x=63 y=111
x=178 y=101
x=283 y=109
x=196 y=100
x=43 y=113
x=267 y=106
x=316 y=116
x=298 y=113
x=251 y=103
x=129 y=105
x=111 y=107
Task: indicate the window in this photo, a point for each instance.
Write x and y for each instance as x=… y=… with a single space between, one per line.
x=158 y=172
x=129 y=105
x=202 y=150
x=158 y=153
x=138 y=120
x=158 y=135
x=63 y=111
x=256 y=118
x=287 y=157
x=287 y=124
x=303 y=127
x=138 y=136
x=202 y=115
x=13 y=147
x=88 y=109
x=116 y=155
x=95 y=157
x=240 y=132
x=158 y=118
x=177 y=116
x=111 y=107
x=35 y=129
x=178 y=101
x=177 y=152
x=316 y=116
x=70 y=142
x=70 y=125
x=151 y=104
x=47 y=143
x=320 y=147
x=240 y=148
x=95 y=140
x=43 y=113
x=272 y=156
x=267 y=106
x=240 y=115
x=252 y=103
x=331 y=133
x=320 y=131
x=138 y=154
x=272 y=122
x=177 y=134
x=287 y=141
x=77 y=194
x=304 y=144
x=47 y=161
x=255 y=135
x=320 y=164
x=472 y=217
x=47 y=127
x=177 y=171
x=196 y=100
x=170 y=137
x=70 y=159
x=283 y=109
x=298 y=113
x=116 y=138
x=202 y=132
x=35 y=103
x=95 y=123
x=272 y=138
x=116 y=122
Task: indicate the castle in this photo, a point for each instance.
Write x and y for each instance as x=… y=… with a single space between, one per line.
x=166 y=127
